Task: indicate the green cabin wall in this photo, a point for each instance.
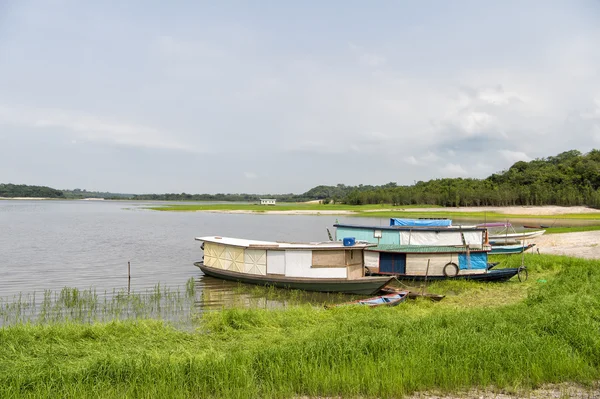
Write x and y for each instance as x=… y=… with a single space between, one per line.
x=388 y=236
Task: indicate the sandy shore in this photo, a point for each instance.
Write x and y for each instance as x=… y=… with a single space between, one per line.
x=584 y=244
x=508 y=210
x=295 y=212
x=548 y=391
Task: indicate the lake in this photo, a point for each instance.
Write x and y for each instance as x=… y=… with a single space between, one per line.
x=48 y=245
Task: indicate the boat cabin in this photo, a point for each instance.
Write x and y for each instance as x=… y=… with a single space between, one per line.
x=412 y=260
x=268 y=201
x=472 y=237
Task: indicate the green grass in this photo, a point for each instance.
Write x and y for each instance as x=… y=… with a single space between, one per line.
x=87 y=306
x=524 y=335
x=281 y=207
x=379 y=210
x=557 y=230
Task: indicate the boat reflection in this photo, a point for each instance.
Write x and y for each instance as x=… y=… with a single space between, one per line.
x=216 y=294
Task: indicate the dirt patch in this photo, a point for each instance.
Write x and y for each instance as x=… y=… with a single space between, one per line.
x=584 y=244
x=558 y=391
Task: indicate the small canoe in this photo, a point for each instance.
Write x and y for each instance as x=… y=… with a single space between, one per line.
x=382 y=300
x=541 y=226
x=414 y=294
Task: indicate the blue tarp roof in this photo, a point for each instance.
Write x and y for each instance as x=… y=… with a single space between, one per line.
x=421 y=222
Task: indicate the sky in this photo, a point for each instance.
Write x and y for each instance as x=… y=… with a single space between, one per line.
x=279 y=96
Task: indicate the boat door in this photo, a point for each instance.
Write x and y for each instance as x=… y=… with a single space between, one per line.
x=392 y=263
x=275 y=262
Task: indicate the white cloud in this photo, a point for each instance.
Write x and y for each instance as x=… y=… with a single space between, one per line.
x=411 y=160
x=372 y=60
x=430 y=157
x=367 y=58
x=514 y=156
x=498 y=96
x=596 y=133
x=453 y=170
x=250 y=175
x=89 y=127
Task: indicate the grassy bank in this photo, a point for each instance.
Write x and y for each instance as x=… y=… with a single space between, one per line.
x=297 y=206
x=380 y=210
x=548 y=333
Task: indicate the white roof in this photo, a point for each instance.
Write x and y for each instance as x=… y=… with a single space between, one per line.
x=242 y=242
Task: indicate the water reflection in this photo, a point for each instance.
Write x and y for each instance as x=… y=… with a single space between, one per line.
x=216 y=294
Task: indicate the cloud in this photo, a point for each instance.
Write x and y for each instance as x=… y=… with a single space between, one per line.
x=367 y=58
x=411 y=160
x=596 y=133
x=453 y=170
x=89 y=127
x=514 y=156
x=250 y=175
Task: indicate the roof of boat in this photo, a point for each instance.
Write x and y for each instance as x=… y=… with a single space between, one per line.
x=413 y=228
x=420 y=249
x=242 y=242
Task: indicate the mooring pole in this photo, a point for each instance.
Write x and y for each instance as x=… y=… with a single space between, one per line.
x=426 y=274
x=128 y=276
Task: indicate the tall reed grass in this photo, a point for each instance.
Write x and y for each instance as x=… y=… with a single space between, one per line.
x=550 y=335
x=87 y=306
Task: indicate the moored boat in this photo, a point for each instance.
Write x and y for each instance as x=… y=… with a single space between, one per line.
x=325 y=266
x=433 y=263
x=508 y=238
x=414 y=294
x=504 y=233
x=510 y=249
x=393 y=299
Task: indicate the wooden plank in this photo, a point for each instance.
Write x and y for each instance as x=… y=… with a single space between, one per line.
x=328 y=258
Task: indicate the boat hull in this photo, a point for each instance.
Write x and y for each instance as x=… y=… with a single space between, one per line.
x=510 y=249
x=496 y=275
x=514 y=237
x=393 y=299
x=360 y=286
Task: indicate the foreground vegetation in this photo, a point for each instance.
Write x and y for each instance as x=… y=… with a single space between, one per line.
x=542 y=331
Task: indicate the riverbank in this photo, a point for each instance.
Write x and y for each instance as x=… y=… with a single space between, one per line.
x=584 y=244
x=521 y=337
x=544 y=212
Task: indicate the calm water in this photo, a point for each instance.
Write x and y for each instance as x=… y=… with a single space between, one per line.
x=87 y=244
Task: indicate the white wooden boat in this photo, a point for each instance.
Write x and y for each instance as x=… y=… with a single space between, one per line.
x=508 y=238
x=325 y=266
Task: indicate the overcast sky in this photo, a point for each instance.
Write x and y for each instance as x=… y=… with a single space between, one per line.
x=280 y=96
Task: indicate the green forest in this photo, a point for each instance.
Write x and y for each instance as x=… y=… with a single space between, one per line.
x=22 y=190
x=569 y=178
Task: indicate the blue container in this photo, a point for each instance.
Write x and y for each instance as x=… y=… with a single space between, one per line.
x=349 y=241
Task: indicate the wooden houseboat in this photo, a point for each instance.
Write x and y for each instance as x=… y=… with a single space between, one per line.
x=326 y=266
x=419 y=262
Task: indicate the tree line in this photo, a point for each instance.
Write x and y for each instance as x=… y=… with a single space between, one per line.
x=567 y=179
x=22 y=190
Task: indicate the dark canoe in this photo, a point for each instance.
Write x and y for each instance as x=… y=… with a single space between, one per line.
x=393 y=299
x=359 y=286
x=414 y=294
x=491 y=275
